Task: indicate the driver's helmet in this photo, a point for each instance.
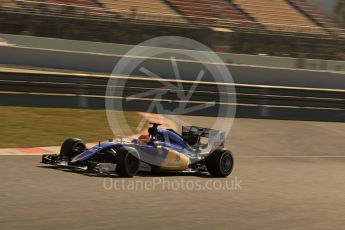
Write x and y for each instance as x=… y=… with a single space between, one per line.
x=143 y=139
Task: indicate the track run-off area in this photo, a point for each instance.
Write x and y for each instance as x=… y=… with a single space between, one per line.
x=288 y=174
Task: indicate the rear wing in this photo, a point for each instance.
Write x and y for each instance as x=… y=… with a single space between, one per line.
x=194 y=130
x=216 y=138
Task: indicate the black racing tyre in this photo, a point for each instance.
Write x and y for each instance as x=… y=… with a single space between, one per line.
x=72 y=147
x=127 y=163
x=220 y=163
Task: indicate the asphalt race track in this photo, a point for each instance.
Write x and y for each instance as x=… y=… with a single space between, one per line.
x=290 y=176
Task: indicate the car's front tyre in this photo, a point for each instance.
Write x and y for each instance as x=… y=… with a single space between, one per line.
x=72 y=147
x=127 y=163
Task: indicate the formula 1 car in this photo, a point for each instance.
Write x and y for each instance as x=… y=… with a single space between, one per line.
x=197 y=149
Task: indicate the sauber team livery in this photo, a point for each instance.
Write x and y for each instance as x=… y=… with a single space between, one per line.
x=197 y=149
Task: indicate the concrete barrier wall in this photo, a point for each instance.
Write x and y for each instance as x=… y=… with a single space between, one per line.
x=119 y=49
x=106 y=63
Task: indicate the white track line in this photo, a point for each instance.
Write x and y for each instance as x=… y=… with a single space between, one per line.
x=111 y=76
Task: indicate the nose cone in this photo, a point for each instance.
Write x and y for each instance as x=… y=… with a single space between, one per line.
x=85 y=155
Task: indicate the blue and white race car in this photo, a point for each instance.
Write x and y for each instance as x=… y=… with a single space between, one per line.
x=197 y=149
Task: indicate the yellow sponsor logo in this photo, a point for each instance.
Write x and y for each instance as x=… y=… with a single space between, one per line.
x=175 y=161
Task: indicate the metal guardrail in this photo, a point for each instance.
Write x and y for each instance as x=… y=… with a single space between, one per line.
x=253 y=101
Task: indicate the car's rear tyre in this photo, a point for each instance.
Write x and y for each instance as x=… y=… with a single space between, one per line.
x=127 y=163
x=72 y=147
x=220 y=163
